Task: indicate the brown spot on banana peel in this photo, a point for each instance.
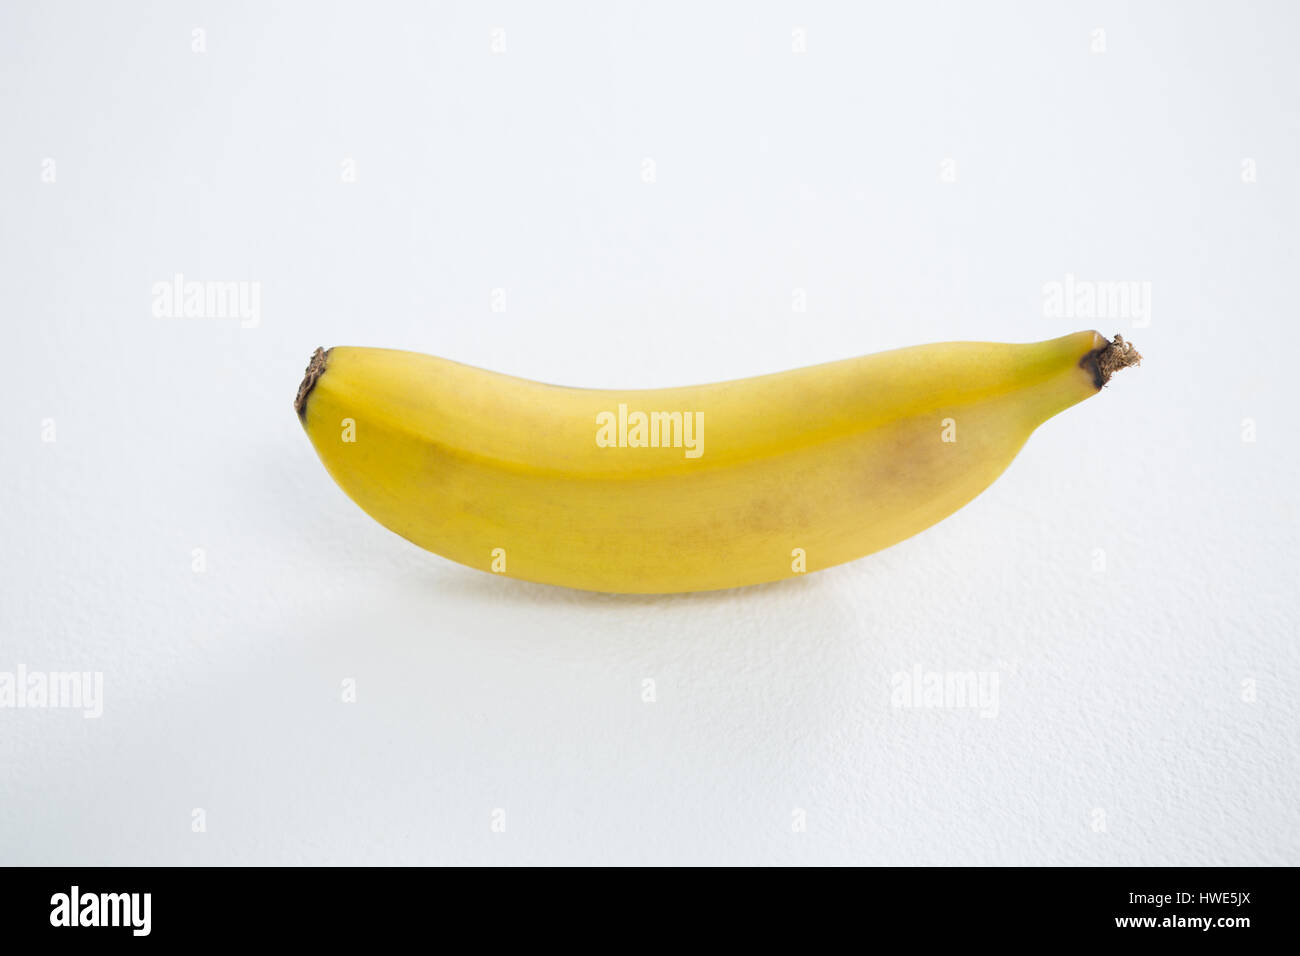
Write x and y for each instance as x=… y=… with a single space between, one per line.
x=1109 y=359
x=315 y=369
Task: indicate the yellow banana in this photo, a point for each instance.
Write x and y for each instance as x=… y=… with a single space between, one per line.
x=685 y=489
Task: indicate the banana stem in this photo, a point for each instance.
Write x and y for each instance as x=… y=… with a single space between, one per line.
x=1106 y=361
x=315 y=369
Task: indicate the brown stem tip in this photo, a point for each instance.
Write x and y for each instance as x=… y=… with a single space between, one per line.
x=1110 y=358
x=315 y=369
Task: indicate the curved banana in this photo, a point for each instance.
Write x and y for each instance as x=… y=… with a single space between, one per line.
x=685 y=489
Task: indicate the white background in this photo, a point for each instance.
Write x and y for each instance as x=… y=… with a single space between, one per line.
x=1127 y=731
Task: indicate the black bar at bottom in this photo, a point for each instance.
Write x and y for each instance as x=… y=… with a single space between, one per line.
x=90 y=905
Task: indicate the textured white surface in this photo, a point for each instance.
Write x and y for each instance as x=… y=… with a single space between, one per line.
x=1126 y=730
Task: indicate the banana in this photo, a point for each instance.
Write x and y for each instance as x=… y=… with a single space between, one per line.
x=685 y=489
